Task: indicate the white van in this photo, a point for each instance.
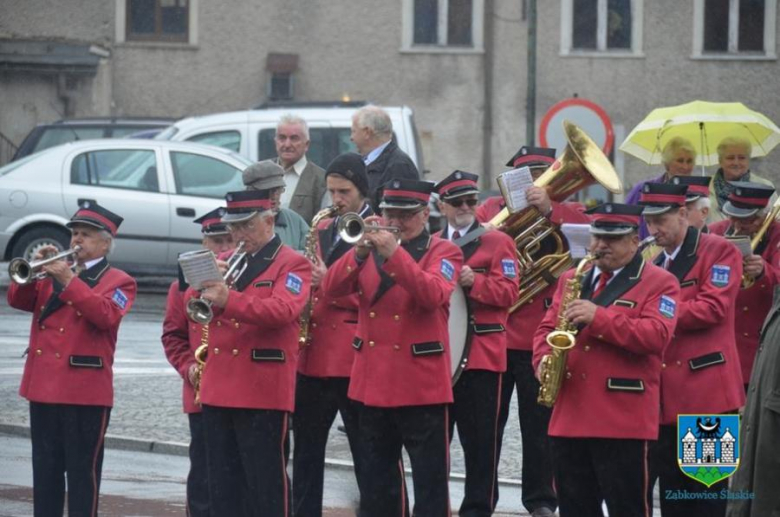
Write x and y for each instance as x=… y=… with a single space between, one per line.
x=251 y=132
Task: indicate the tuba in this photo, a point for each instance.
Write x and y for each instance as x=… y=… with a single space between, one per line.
x=542 y=250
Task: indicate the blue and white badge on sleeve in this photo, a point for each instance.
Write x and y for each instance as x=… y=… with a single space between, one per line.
x=667 y=306
x=119 y=298
x=447 y=269
x=720 y=275
x=294 y=284
x=508 y=267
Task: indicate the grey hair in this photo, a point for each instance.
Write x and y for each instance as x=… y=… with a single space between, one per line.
x=291 y=119
x=106 y=235
x=674 y=146
x=701 y=203
x=376 y=119
x=732 y=141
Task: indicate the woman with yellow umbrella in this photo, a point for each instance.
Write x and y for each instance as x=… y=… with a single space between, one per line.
x=734 y=160
x=678 y=159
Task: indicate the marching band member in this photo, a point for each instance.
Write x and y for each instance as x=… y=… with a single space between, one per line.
x=248 y=383
x=68 y=375
x=607 y=407
x=538 y=493
x=401 y=370
x=490 y=278
x=325 y=362
x=697 y=199
x=701 y=371
x=746 y=209
x=180 y=339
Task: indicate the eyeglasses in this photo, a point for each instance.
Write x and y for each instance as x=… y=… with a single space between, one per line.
x=240 y=227
x=457 y=203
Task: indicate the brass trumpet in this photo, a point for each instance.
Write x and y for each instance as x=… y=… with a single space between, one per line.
x=23 y=272
x=351 y=228
x=198 y=309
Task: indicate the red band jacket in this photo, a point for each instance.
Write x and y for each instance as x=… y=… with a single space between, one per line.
x=611 y=388
x=753 y=304
x=493 y=259
x=402 y=344
x=701 y=370
x=180 y=338
x=333 y=324
x=73 y=335
x=253 y=341
x=522 y=323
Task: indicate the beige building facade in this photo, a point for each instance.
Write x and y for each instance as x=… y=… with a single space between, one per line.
x=460 y=64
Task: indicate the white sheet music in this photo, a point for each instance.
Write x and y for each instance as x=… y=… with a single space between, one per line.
x=198 y=267
x=742 y=243
x=513 y=185
x=578 y=236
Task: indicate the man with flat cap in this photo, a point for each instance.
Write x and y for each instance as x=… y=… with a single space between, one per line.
x=747 y=209
x=606 y=411
x=248 y=383
x=68 y=375
x=288 y=224
x=701 y=371
x=490 y=280
x=538 y=492
x=401 y=371
x=180 y=339
x=325 y=361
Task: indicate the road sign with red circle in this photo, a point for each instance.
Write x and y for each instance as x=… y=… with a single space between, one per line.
x=588 y=115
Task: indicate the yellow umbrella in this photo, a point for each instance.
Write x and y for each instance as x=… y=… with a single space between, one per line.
x=704 y=124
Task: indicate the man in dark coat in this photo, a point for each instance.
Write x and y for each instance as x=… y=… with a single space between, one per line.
x=754 y=485
x=372 y=133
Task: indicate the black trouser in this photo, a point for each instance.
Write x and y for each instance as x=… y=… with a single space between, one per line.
x=422 y=430
x=197 y=479
x=67 y=439
x=589 y=471
x=538 y=490
x=664 y=467
x=246 y=463
x=317 y=400
x=475 y=411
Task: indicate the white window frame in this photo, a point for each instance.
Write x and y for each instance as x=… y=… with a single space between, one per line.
x=477 y=30
x=120 y=34
x=567 y=26
x=770 y=21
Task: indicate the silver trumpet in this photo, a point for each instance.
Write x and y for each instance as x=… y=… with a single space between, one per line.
x=351 y=227
x=23 y=272
x=198 y=309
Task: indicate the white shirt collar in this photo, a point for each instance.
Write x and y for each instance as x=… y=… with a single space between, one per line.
x=91 y=263
x=297 y=166
x=451 y=230
x=673 y=255
x=373 y=155
x=597 y=274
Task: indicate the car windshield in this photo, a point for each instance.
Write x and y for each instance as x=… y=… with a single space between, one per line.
x=62 y=135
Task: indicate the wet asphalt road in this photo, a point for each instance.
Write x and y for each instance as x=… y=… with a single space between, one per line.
x=147 y=390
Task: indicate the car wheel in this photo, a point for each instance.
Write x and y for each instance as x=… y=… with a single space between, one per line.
x=31 y=241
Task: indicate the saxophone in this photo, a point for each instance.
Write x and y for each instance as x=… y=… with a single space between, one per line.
x=310 y=252
x=561 y=339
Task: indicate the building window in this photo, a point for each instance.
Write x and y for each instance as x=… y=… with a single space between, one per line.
x=158 y=20
x=442 y=25
x=734 y=28
x=607 y=27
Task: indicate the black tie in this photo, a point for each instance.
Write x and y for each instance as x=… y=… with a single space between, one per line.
x=456 y=235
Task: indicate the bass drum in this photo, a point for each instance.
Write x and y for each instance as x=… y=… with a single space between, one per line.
x=460 y=329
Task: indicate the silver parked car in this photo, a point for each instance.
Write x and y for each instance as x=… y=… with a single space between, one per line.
x=158 y=186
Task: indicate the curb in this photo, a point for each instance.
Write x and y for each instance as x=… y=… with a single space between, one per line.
x=126 y=443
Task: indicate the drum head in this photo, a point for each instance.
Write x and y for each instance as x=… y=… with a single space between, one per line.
x=460 y=332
